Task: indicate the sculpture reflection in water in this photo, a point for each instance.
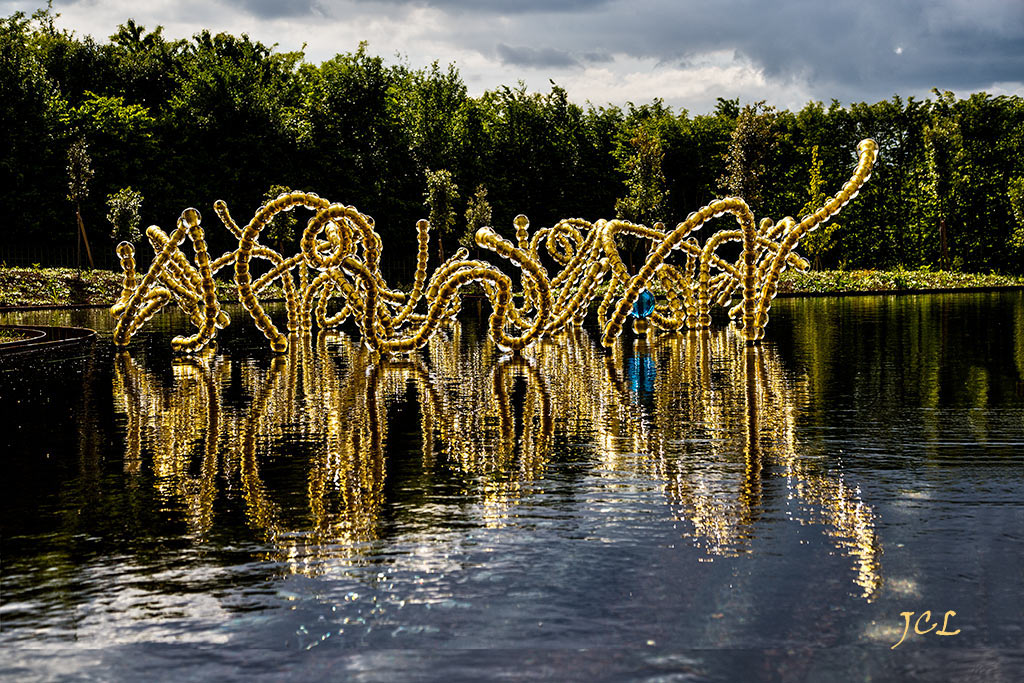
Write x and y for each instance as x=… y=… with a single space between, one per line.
x=343 y=249
x=711 y=418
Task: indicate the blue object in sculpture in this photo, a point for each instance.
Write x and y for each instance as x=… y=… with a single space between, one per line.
x=644 y=305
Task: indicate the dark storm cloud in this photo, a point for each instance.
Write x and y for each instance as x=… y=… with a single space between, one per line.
x=276 y=8
x=535 y=58
x=504 y=7
x=882 y=48
x=868 y=49
x=850 y=50
x=265 y=9
x=272 y=9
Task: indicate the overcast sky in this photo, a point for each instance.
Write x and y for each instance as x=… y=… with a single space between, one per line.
x=686 y=52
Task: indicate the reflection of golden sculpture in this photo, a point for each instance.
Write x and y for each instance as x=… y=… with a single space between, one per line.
x=180 y=424
x=702 y=412
x=347 y=259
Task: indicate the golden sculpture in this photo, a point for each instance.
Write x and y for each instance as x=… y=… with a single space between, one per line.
x=342 y=247
x=712 y=441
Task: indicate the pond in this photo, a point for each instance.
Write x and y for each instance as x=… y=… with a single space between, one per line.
x=845 y=501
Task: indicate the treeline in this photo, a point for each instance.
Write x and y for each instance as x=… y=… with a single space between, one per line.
x=186 y=122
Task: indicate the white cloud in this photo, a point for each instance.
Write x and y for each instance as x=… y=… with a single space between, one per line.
x=694 y=85
x=1005 y=88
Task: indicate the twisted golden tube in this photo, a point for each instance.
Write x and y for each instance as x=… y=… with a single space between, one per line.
x=342 y=245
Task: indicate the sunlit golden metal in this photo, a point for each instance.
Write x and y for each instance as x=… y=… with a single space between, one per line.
x=343 y=249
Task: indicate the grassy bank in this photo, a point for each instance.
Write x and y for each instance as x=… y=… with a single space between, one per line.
x=57 y=287
x=847 y=281
x=72 y=287
x=9 y=335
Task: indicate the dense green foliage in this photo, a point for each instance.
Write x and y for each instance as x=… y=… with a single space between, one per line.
x=648 y=198
x=478 y=215
x=281 y=232
x=441 y=196
x=186 y=122
x=125 y=215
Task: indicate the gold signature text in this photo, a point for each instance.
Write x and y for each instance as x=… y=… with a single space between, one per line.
x=926 y=619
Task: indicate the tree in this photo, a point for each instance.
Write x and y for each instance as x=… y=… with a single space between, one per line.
x=227 y=127
x=647 y=196
x=992 y=137
x=1015 y=193
x=821 y=240
x=435 y=116
x=31 y=158
x=727 y=109
x=751 y=154
x=122 y=148
x=695 y=151
x=598 y=181
x=478 y=214
x=145 y=65
x=535 y=154
x=647 y=200
x=220 y=116
x=281 y=228
x=441 y=196
x=124 y=214
x=945 y=153
x=79 y=175
x=354 y=143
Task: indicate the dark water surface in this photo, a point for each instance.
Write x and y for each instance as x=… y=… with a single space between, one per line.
x=684 y=510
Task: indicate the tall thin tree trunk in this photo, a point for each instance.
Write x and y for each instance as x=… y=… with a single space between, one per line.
x=84 y=237
x=945 y=248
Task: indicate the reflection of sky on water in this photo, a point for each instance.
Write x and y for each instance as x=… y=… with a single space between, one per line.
x=692 y=493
